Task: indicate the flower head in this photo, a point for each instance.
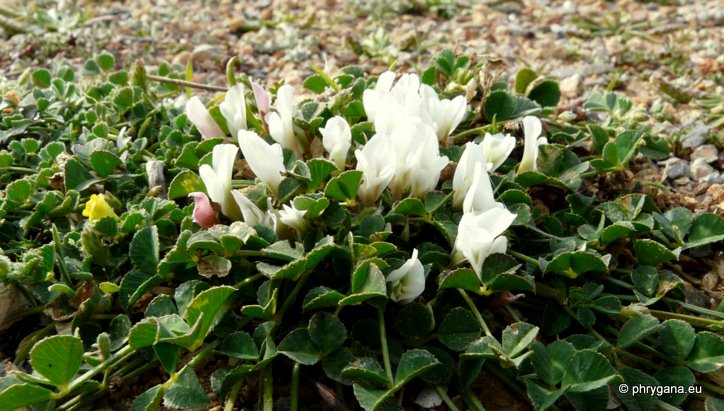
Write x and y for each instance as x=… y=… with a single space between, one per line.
x=419 y=162
x=408 y=281
x=217 y=179
x=444 y=114
x=293 y=217
x=266 y=161
x=97 y=208
x=377 y=164
x=496 y=149
x=532 y=129
x=281 y=124
x=233 y=108
x=253 y=215
x=465 y=172
x=203 y=214
x=371 y=99
x=198 y=115
x=337 y=139
x=480 y=197
x=480 y=235
x=262 y=98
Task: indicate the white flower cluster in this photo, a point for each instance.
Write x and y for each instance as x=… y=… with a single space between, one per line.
x=403 y=155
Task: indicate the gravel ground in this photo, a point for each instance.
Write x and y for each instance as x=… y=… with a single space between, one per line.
x=667 y=56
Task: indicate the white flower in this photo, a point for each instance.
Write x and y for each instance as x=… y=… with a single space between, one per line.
x=465 y=171
x=408 y=281
x=444 y=114
x=253 y=215
x=371 y=98
x=532 y=129
x=376 y=161
x=281 y=124
x=233 y=108
x=122 y=141
x=480 y=236
x=293 y=217
x=266 y=161
x=218 y=179
x=496 y=149
x=337 y=139
x=480 y=197
x=419 y=162
x=198 y=115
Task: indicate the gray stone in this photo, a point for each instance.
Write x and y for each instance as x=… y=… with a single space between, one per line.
x=707 y=152
x=700 y=168
x=713 y=178
x=696 y=137
x=675 y=168
x=571 y=86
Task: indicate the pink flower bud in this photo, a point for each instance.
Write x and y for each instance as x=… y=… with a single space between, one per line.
x=262 y=98
x=204 y=214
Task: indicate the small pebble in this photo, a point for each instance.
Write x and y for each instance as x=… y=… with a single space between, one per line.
x=675 y=168
x=696 y=137
x=707 y=152
x=699 y=169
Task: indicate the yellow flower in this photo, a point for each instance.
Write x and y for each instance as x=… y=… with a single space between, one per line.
x=97 y=208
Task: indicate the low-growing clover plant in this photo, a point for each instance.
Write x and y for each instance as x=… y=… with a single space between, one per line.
x=379 y=237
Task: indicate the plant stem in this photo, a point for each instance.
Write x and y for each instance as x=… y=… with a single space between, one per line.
x=268 y=393
x=184 y=83
x=541 y=232
x=666 y=406
x=472 y=401
x=294 y=389
x=512 y=313
x=22 y=170
x=383 y=342
x=203 y=354
x=445 y=398
x=119 y=356
x=325 y=77
x=290 y=298
x=476 y=312
x=639 y=360
x=711 y=387
x=701 y=322
x=248 y=280
x=233 y=394
x=472 y=131
x=60 y=258
x=500 y=374
x=524 y=258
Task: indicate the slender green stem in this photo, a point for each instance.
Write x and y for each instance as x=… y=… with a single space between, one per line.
x=21 y=170
x=383 y=342
x=638 y=359
x=711 y=387
x=445 y=398
x=203 y=354
x=502 y=376
x=590 y=173
x=268 y=393
x=698 y=321
x=470 y=132
x=60 y=258
x=294 y=389
x=233 y=395
x=248 y=280
x=230 y=75
x=543 y=233
x=512 y=313
x=289 y=300
x=326 y=78
x=476 y=312
x=666 y=406
x=696 y=309
x=524 y=257
x=119 y=356
x=184 y=83
x=472 y=401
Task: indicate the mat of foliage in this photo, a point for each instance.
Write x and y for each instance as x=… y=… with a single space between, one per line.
x=389 y=241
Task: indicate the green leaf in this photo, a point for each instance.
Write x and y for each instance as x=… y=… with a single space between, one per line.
x=123 y=99
x=550 y=362
x=445 y=62
x=143 y=334
x=321 y=297
x=105 y=61
x=415 y=321
x=319 y=170
x=517 y=337
x=186 y=391
x=458 y=329
x=315 y=83
x=599 y=137
x=637 y=328
x=462 y=278
x=17 y=193
x=144 y=249
x=706 y=228
x=204 y=312
x=368 y=282
x=149 y=400
x=184 y=183
x=413 y=363
x=57 y=358
x=615 y=231
x=410 y=206
x=676 y=339
x=213 y=266
x=650 y=252
x=239 y=345
x=675 y=376
x=369 y=399
x=21 y=395
x=645 y=279
x=327 y=332
x=313 y=207
x=587 y=371
x=298 y=346
x=634 y=378
x=707 y=355
x=41 y=78
x=546 y=93
x=344 y=186
x=499 y=104
x=77 y=177
x=104 y=162
x=366 y=368
x=573 y=264
x=523 y=78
